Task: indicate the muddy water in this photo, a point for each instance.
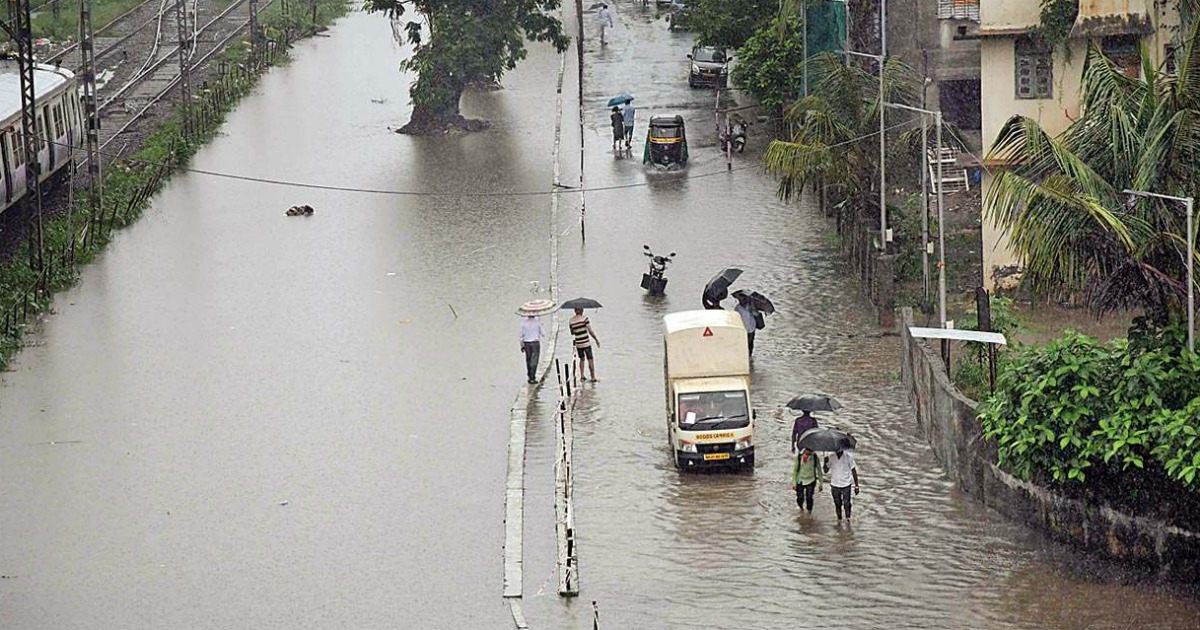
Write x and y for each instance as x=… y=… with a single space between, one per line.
x=661 y=549
x=239 y=419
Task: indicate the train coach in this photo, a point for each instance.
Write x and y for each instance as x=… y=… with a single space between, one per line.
x=59 y=124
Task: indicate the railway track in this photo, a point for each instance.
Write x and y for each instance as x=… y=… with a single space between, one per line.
x=136 y=16
x=121 y=109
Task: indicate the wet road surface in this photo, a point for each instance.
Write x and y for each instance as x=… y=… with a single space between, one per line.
x=241 y=419
x=661 y=549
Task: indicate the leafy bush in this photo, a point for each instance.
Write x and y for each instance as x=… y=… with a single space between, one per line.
x=769 y=65
x=1079 y=413
x=729 y=23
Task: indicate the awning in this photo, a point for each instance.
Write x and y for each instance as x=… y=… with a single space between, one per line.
x=1101 y=18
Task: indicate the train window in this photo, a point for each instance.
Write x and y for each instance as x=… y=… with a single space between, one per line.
x=18 y=148
x=59 y=130
x=40 y=129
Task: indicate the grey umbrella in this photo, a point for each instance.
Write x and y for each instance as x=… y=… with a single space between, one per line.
x=717 y=288
x=581 y=302
x=757 y=300
x=826 y=440
x=814 y=402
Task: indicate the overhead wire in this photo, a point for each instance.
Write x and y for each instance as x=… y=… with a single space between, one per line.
x=467 y=194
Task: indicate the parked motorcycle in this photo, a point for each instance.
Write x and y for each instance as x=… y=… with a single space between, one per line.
x=735 y=133
x=654 y=281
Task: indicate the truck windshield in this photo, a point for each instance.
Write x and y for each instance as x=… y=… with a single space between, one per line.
x=707 y=411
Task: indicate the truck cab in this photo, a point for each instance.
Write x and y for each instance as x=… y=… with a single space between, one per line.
x=706 y=363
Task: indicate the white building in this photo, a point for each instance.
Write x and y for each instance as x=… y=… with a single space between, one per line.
x=1021 y=75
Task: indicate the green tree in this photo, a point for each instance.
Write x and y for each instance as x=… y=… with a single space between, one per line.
x=730 y=23
x=831 y=133
x=768 y=66
x=1060 y=198
x=460 y=42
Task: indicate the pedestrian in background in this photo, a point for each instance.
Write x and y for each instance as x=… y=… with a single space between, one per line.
x=604 y=19
x=531 y=344
x=618 y=126
x=842 y=472
x=628 y=113
x=581 y=329
x=806 y=477
x=803 y=422
x=749 y=317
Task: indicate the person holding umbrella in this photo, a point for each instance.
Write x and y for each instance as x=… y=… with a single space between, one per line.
x=532 y=334
x=806 y=404
x=581 y=330
x=841 y=472
x=841 y=468
x=749 y=316
x=618 y=127
x=628 y=113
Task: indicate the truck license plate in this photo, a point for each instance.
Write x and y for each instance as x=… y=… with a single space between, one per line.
x=711 y=456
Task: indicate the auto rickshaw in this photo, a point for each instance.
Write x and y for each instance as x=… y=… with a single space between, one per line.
x=666 y=142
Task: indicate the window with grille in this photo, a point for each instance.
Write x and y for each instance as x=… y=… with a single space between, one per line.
x=958 y=10
x=1124 y=52
x=1170 y=55
x=1034 y=68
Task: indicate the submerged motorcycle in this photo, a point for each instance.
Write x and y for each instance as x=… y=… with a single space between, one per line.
x=734 y=134
x=654 y=281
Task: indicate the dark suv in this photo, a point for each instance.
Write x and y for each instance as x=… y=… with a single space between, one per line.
x=710 y=66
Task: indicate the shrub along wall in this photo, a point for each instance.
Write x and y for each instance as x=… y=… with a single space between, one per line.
x=950 y=425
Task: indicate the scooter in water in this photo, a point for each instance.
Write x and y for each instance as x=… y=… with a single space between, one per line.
x=735 y=133
x=654 y=281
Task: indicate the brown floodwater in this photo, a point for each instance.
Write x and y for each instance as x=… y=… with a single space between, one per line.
x=242 y=419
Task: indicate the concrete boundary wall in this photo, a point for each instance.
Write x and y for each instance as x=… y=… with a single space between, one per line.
x=948 y=421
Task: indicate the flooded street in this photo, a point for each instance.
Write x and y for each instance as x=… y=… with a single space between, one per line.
x=239 y=419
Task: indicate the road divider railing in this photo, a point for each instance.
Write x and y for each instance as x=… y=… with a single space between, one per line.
x=564 y=479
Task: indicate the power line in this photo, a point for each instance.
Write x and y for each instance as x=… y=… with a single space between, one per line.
x=417 y=193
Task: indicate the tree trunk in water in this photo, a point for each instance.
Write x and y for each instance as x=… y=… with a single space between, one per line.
x=427 y=120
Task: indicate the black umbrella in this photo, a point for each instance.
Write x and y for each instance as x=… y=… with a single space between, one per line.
x=814 y=402
x=757 y=300
x=717 y=289
x=826 y=440
x=582 y=302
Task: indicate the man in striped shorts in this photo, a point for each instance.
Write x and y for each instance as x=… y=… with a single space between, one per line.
x=581 y=329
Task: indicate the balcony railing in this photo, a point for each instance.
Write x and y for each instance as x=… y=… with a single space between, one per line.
x=958 y=10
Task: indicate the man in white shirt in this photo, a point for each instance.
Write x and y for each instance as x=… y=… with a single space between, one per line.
x=842 y=472
x=604 y=19
x=531 y=345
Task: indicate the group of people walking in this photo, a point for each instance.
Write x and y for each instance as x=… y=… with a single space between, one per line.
x=622 y=125
x=809 y=468
x=582 y=334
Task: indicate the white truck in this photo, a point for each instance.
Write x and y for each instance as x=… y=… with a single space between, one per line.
x=706 y=362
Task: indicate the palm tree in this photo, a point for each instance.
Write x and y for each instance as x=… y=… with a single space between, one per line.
x=1060 y=198
x=831 y=134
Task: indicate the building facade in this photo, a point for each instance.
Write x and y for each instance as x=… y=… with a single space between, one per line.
x=1023 y=75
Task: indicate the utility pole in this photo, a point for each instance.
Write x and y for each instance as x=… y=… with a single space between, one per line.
x=20 y=29
x=1189 y=205
x=185 y=86
x=883 y=228
x=253 y=29
x=937 y=118
x=925 y=211
x=92 y=121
